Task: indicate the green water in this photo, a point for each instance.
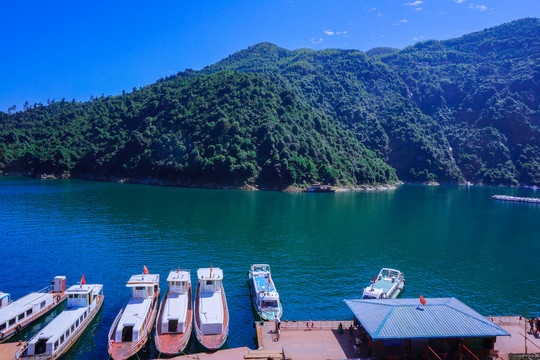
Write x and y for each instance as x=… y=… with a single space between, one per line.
x=323 y=248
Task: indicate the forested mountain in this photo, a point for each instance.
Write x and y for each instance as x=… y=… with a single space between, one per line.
x=452 y=111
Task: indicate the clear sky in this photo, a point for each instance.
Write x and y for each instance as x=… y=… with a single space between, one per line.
x=56 y=49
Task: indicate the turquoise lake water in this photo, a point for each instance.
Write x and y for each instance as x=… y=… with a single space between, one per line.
x=449 y=241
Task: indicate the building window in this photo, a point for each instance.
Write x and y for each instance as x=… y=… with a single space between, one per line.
x=43 y=303
x=20 y=317
x=29 y=312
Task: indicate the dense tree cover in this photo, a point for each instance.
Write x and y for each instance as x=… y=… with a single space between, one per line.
x=459 y=110
x=226 y=128
x=483 y=89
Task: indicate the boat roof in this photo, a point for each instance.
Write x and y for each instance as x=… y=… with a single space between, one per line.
x=176 y=307
x=211 y=308
x=204 y=274
x=60 y=323
x=19 y=306
x=83 y=289
x=3 y=295
x=143 y=280
x=135 y=312
x=407 y=319
x=182 y=275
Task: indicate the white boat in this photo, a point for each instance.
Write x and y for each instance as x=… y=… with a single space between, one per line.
x=174 y=320
x=83 y=303
x=263 y=292
x=211 y=311
x=15 y=315
x=388 y=285
x=134 y=323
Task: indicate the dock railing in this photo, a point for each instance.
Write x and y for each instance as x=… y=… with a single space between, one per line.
x=315 y=325
x=507 y=320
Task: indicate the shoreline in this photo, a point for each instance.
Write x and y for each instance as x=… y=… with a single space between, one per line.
x=247 y=187
x=168 y=183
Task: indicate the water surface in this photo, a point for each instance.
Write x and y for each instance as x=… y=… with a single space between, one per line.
x=448 y=241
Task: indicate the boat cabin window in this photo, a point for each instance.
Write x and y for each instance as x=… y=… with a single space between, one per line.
x=369 y=297
x=81 y=318
x=67 y=334
x=29 y=312
x=12 y=321
x=269 y=304
x=209 y=283
x=77 y=323
x=3 y=326
x=72 y=328
x=20 y=317
x=62 y=339
x=55 y=345
x=43 y=303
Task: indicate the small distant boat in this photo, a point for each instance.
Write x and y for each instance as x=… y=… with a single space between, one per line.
x=388 y=285
x=51 y=342
x=15 y=315
x=211 y=311
x=263 y=292
x=134 y=323
x=174 y=320
x=319 y=188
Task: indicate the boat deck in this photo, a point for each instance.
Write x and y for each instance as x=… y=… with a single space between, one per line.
x=132 y=313
x=261 y=279
x=385 y=285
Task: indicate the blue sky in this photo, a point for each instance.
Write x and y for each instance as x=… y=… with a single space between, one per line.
x=76 y=49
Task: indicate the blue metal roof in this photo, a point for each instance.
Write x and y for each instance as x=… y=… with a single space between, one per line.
x=408 y=319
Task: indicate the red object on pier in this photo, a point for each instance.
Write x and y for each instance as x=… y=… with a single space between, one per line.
x=422 y=300
x=145 y=270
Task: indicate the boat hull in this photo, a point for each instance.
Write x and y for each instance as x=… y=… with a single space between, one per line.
x=211 y=342
x=174 y=343
x=124 y=350
x=263 y=314
x=63 y=349
x=58 y=299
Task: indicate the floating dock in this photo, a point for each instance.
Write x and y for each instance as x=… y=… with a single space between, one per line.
x=516 y=199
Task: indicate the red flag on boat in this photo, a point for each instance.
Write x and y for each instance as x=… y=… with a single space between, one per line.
x=210 y=270
x=422 y=300
x=145 y=270
x=83 y=281
x=374 y=279
x=269 y=283
x=178 y=269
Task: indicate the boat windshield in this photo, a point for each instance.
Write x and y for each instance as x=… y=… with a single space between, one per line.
x=369 y=296
x=269 y=304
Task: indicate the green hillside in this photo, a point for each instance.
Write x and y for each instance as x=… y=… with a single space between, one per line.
x=459 y=110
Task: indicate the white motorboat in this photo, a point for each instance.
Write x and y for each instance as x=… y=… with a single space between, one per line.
x=387 y=285
x=134 y=323
x=51 y=342
x=174 y=320
x=15 y=315
x=211 y=311
x=263 y=292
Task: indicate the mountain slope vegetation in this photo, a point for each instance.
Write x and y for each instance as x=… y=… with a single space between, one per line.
x=450 y=111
